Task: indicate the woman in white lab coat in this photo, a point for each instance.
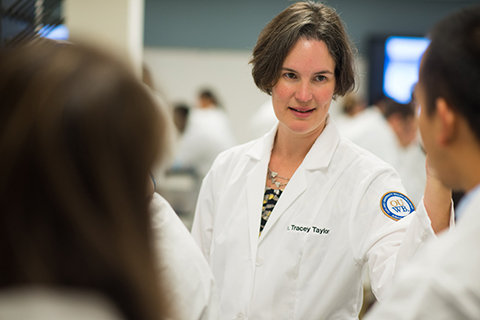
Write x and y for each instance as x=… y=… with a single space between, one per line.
x=289 y=222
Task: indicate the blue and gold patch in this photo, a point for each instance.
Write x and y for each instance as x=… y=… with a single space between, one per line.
x=396 y=205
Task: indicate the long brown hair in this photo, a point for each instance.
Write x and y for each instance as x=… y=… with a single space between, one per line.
x=78 y=136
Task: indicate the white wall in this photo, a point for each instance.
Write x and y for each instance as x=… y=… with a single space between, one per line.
x=178 y=74
x=116 y=25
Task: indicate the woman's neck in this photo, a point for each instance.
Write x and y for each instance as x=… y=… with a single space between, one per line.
x=293 y=146
x=289 y=150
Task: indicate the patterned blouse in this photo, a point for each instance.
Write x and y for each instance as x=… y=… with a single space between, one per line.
x=269 y=201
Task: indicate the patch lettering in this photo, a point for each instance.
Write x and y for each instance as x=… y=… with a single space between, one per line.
x=396 y=205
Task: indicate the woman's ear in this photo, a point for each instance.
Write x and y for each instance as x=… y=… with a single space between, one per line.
x=447 y=122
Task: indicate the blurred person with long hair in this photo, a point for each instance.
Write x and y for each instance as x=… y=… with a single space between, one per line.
x=78 y=137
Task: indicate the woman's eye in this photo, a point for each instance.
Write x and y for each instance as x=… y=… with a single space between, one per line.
x=320 y=78
x=290 y=75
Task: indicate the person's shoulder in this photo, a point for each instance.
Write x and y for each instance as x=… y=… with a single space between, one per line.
x=234 y=154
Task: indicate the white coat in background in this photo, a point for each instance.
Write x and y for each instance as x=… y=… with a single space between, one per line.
x=411 y=168
x=190 y=282
x=208 y=132
x=326 y=227
x=371 y=131
x=443 y=282
x=262 y=121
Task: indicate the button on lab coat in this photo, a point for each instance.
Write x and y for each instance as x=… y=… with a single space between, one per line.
x=326 y=227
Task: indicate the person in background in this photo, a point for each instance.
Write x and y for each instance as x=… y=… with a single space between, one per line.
x=290 y=222
x=78 y=137
x=410 y=158
x=402 y=120
x=391 y=133
x=351 y=106
x=180 y=116
x=191 y=287
x=443 y=282
x=262 y=120
x=371 y=131
x=208 y=132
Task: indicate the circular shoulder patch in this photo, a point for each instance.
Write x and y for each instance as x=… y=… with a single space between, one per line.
x=396 y=205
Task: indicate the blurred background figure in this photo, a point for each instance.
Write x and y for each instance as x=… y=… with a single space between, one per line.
x=410 y=159
x=207 y=133
x=371 y=131
x=78 y=137
x=191 y=287
x=351 y=106
x=389 y=130
x=262 y=121
x=180 y=116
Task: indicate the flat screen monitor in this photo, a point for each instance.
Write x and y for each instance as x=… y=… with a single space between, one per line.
x=394 y=62
x=401 y=66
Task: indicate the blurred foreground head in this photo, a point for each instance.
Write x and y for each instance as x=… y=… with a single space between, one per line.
x=78 y=136
x=450 y=67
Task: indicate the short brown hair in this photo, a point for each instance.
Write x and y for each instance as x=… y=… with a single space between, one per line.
x=308 y=20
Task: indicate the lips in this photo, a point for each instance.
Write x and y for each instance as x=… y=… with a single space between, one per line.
x=301 y=112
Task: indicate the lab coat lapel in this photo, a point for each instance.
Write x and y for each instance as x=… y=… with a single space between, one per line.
x=296 y=186
x=255 y=191
x=256 y=178
x=319 y=157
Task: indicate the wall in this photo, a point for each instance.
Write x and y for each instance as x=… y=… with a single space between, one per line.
x=191 y=44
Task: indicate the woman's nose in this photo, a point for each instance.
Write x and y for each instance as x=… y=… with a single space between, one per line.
x=303 y=92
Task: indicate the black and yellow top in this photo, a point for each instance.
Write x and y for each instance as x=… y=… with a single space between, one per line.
x=269 y=201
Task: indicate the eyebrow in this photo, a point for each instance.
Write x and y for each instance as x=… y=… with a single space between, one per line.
x=319 y=72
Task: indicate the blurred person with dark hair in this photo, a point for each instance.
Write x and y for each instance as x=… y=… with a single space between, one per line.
x=78 y=137
x=207 y=133
x=410 y=156
x=180 y=116
x=443 y=281
x=402 y=120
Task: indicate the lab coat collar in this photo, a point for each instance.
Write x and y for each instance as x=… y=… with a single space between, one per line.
x=322 y=151
x=319 y=155
x=264 y=145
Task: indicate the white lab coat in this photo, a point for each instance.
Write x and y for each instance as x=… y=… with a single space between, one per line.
x=371 y=131
x=190 y=284
x=443 y=282
x=326 y=227
x=208 y=132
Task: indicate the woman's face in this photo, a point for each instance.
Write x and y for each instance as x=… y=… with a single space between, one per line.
x=302 y=95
